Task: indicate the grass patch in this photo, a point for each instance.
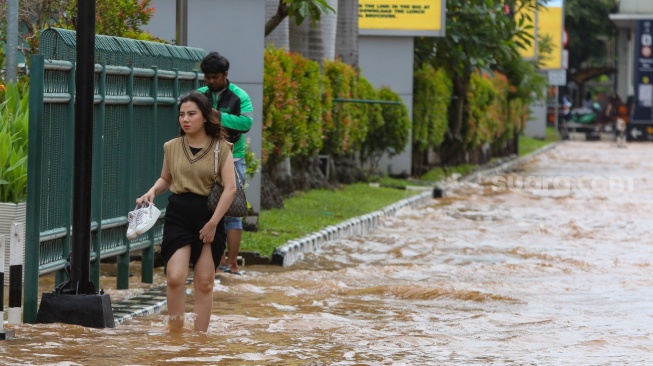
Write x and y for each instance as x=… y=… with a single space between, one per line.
x=314 y=210
x=430 y=178
x=528 y=144
x=440 y=173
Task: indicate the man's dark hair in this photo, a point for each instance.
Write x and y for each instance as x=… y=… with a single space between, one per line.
x=214 y=63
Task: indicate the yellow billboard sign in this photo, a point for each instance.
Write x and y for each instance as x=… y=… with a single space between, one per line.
x=550 y=24
x=401 y=17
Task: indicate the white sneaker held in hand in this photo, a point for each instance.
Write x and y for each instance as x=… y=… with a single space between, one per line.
x=133 y=217
x=148 y=218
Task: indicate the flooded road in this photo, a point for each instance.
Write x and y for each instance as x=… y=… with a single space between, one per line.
x=550 y=265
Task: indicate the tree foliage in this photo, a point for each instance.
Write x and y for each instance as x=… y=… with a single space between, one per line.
x=293 y=109
x=120 y=18
x=586 y=22
x=346 y=132
x=394 y=134
x=431 y=98
x=373 y=114
x=480 y=35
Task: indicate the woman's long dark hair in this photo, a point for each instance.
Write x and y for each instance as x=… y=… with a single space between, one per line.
x=211 y=126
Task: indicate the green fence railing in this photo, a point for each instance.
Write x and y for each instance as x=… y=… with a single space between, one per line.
x=137 y=85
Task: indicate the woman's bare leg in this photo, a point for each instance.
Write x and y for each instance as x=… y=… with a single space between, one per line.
x=203 y=279
x=176 y=275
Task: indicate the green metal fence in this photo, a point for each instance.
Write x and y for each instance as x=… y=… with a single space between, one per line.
x=137 y=84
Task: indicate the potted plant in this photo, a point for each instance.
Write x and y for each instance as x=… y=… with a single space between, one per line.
x=253 y=166
x=14 y=116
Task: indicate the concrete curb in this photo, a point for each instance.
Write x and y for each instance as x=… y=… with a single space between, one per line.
x=294 y=250
x=507 y=166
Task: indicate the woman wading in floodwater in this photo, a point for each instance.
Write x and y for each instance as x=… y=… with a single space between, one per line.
x=191 y=233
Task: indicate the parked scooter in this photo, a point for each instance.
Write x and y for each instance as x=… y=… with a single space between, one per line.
x=581 y=120
x=584 y=115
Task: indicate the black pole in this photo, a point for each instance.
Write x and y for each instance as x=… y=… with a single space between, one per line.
x=84 y=80
x=77 y=302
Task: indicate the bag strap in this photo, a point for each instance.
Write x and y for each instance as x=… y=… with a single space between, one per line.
x=216 y=155
x=239 y=184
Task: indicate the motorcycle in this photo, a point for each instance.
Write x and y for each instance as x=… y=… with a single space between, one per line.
x=584 y=115
x=581 y=120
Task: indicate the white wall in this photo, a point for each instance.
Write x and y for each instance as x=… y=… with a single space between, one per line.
x=162 y=24
x=388 y=61
x=536 y=125
x=636 y=6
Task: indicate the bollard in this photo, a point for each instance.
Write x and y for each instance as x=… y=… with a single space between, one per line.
x=4 y=334
x=438 y=192
x=15 y=272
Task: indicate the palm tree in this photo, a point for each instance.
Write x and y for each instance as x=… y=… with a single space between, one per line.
x=307 y=41
x=347 y=32
x=329 y=26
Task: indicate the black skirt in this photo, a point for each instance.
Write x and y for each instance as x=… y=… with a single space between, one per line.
x=185 y=216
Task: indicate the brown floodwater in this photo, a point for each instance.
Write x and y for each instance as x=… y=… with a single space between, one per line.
x=550 y=265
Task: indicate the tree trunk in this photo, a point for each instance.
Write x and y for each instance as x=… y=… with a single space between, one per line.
x=460 y=91
x=316 y=44
x=329 y=26
x=307 y=40
x=279 y=36
x=347 y=32
x=277 y=17
x=452 y=149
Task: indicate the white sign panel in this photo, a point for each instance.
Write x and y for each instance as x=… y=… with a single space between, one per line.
x=557 y=77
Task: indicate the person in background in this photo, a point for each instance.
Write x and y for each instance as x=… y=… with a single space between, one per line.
x=614 y=101
x=191 y=233
x=233 y=108
x=587 y=102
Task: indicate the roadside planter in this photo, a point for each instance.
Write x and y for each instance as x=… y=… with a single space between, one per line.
x=11 y=213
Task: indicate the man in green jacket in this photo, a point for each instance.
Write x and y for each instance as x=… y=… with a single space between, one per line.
x=234 y=109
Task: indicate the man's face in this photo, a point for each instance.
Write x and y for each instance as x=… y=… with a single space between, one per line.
x=216 y=82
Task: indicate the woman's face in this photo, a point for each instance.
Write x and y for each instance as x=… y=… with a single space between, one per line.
x=191 y=119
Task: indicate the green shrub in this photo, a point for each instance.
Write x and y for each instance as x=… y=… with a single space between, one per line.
x=346 y=132
x=372 y=113
x=293 y=110
x=14 y=117
x=432 y=96
x=396 y=124
x=482 y=123
x=307 y=77
x=280 y=108
x=252 y=163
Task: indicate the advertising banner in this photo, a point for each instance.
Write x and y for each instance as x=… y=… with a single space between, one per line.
x=550 y=23
x=412 y=18
x=643 y=82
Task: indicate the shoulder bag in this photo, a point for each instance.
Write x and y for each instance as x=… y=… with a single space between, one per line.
x=238 y=207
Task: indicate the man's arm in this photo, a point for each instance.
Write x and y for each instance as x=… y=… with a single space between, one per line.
x=241 y=118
